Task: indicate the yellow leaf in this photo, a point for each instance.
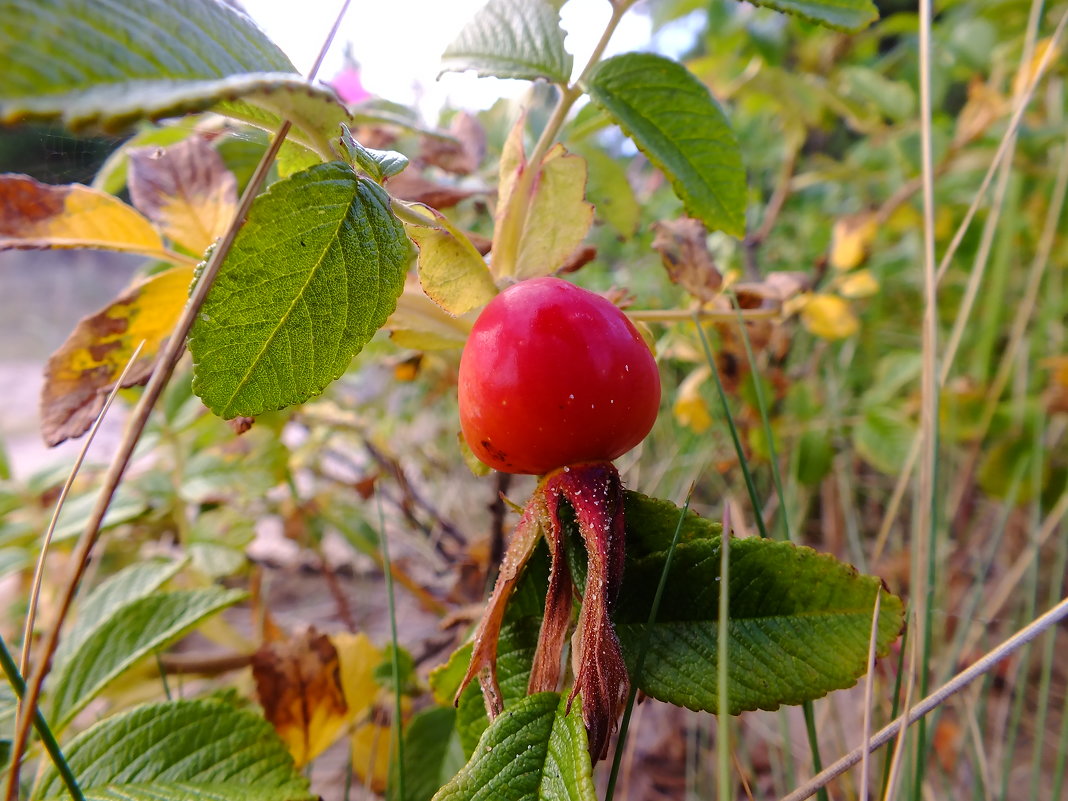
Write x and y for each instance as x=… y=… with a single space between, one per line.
x=859 y=284
x=851 y=238
x=370 y=755
x=829 y=317
x=984 y=106
x=690 y=408
x=358 y=657
x=84 y=369
x=185 y=189
x=541 y=217
x=451 y=270
x=558 y=217
x=1025 y=76
x=299 y=686
x=421 y=324
x=39 y=216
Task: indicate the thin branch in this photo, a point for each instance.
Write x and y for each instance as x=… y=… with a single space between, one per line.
x=935 y=699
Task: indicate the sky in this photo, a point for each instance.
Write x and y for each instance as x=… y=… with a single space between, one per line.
x=399 y=42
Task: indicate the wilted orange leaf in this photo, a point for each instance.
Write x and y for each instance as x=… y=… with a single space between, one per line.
x=299 y=686
x=851 y=238
x=40 y=216
x=829 y=317
x=79 y=375
x=684 y=252
x=185 y=189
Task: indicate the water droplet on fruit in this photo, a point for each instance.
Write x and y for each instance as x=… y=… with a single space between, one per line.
x=572 y=396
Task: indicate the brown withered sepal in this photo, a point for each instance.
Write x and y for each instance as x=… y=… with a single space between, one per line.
x=595 y=493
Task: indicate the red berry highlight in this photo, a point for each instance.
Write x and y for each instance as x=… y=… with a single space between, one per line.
x=553 y=375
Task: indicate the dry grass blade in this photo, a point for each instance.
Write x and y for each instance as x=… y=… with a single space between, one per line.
x=899 y=747
x=38 y=573
x=1011 y=580
x=161 y=374
x=935 y=699
x=896 y=498
x=869 y=689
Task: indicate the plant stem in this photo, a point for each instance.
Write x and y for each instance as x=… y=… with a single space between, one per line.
x=14 y=677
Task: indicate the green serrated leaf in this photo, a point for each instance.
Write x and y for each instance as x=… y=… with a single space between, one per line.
x=188 y=791
x=69 y=60
x=432 y=753
x=651 y=525
x=512 y=39
x=674 y=120
x=131 y=633
x=842 y=15
x=378 y=164
x=314 y=273
x=800 y=623
x=181 y=750
x=121 y=589
x=535 y=750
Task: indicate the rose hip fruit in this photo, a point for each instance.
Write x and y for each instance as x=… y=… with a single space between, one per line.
x=553 y=375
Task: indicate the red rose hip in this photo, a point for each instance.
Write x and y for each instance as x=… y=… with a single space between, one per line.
x=553 y=375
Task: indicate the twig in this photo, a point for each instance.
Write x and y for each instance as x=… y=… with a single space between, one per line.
x=38 y=573
x=14 y=677
x=165 y=363
x=203 y=664
x=955 y=685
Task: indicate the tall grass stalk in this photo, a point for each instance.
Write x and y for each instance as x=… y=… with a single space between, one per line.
x=980 y=667
x=723 y=719
x=807 y=706
x=639 y=664
x=926 y=504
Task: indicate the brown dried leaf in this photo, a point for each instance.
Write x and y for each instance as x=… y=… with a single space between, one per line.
x=462 y=154
x=775 y=290
x=185 y=189
x=80 y=374
x=298 y=684
x=684 y=252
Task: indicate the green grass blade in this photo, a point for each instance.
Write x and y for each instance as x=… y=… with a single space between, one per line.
x=11 y=670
